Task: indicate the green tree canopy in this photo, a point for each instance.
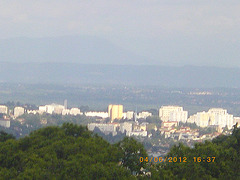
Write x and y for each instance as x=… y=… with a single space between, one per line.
x=66 y=152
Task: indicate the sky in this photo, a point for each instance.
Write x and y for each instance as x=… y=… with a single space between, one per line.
x=163 y=32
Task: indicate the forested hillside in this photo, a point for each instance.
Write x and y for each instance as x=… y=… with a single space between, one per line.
x=68 y=152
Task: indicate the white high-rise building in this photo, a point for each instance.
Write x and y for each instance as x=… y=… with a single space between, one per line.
x=3 y=109
x=173 y=113
x=221 y=118
x=179 y=116
x=215 y=116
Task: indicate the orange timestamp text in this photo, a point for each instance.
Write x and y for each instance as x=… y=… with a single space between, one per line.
x=176 y=159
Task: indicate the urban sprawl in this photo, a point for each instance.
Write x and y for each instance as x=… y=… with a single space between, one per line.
x=133 y=123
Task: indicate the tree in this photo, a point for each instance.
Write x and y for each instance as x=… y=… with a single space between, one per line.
x=66 y=152
x=5 y=136
x=131 y=151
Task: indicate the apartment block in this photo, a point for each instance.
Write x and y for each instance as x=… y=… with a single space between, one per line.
x=115 y=112
x=173 y=113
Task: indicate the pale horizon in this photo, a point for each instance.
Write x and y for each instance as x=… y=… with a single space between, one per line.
x=168 y=33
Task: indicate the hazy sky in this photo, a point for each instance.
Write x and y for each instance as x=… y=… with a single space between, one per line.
x=165 y=32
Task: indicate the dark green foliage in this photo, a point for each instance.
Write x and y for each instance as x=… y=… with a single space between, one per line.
x=5 y=136
x=131 y=151
x=154 y=119
x=225 y=149
x=66 y=152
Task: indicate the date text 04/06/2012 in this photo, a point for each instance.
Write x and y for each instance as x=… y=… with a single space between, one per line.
x=176 y=159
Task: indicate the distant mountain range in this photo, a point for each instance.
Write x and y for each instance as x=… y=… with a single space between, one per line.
x=85 y=60
x=73 y=73
x=74 y=49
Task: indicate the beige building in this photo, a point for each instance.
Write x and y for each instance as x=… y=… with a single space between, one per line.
x=18 y=111
x=203 y=119
x=3 y=109
x=75 y=111
x=115 y=111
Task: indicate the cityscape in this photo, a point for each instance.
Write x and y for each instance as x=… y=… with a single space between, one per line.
x=171 y=123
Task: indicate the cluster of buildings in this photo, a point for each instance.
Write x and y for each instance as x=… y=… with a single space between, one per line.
x=50 y=109
x=5 y=115
x=57 y=109
x=130 y=128
x=115 y=113
x=169 y=130
x=217 y=118
x=131 y=123
x=17 y=111
x=171 y=116
x=214 y=117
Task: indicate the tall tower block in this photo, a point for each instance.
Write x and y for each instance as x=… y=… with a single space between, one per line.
x=115 y=111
